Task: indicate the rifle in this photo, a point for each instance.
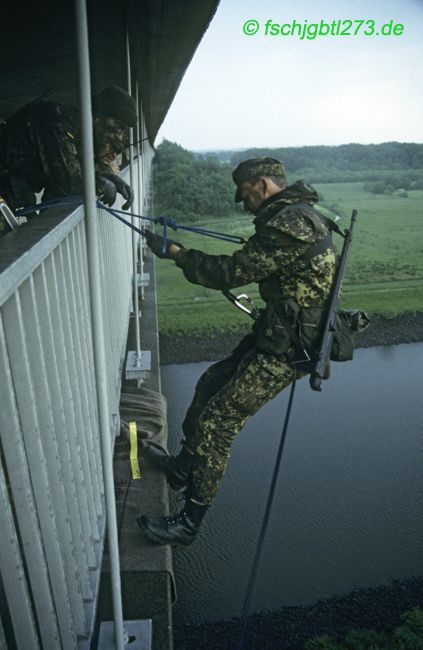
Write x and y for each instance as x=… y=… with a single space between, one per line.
x=322 y=354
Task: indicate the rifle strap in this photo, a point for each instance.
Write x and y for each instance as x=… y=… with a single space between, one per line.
x=316 y=249
x=326 y=242
x=329 y=223
x=313 y=251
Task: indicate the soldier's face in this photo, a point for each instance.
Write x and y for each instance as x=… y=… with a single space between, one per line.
x=110 y=137
x=253 y=195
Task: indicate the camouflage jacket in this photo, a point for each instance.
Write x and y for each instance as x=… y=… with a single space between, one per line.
x=284 y=231
x=40 y=149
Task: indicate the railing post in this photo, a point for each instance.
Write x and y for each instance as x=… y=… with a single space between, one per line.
x=140 y=170
x=135 y=235
x=96 y=310
x=138 y=363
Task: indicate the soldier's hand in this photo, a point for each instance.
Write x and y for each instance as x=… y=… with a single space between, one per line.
x=106 y=190
x=123 y=188
x=156 y=245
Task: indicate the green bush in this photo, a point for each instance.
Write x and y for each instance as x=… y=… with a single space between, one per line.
x=408 y=636
x=188 y=187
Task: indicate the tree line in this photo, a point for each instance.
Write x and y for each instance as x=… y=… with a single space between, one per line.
x=333 y=160
x=190 y=185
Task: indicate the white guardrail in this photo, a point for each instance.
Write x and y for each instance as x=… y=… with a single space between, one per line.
x=52 y=512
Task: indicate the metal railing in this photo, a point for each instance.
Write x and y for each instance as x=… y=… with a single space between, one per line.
x=52 y=512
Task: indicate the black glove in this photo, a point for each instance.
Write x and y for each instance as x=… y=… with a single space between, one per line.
x=106 y=190
x=123 y=188
x=155 y=244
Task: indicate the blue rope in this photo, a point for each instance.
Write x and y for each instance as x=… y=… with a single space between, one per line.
x=117 y=216
x=166 y=222
x=64 y=201
x=171 y=223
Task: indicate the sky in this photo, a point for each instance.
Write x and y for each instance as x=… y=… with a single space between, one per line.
x=257 y=90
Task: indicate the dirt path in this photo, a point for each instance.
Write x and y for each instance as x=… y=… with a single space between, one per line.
x=407 y=328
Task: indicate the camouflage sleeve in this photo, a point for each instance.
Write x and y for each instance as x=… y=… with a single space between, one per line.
x=284 y=238
x=273 y=249
x=59 y=152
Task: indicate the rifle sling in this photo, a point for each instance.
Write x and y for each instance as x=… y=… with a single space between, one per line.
x=313 y=251
x=316 y=249
x=329 y=223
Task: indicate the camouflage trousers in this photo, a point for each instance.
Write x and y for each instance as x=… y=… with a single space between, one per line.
x=225 y=396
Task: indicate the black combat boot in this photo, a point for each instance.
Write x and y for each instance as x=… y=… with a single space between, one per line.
x=181 y=529
x=176 y=468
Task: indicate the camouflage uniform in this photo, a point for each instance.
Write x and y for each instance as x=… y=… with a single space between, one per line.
x=261 y=366
x=39 y=149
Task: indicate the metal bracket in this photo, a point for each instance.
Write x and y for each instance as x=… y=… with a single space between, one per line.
x=143 y=279
x=138 y=367
x=138 y=635
x=115 y=424
x=9 y=217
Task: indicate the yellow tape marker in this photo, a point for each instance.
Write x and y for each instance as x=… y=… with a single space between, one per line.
x=133 y=456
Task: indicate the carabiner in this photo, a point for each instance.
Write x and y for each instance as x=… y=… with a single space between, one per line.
x=252 y=311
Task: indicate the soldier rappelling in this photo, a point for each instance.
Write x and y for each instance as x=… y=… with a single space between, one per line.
x=293 y=261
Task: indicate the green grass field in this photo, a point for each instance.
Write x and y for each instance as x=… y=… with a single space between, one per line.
x=385 y=267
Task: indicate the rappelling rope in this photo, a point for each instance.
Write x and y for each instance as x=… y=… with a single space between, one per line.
x=63 y=201
x=166 y=222
x=169 y=222
x=263 y=529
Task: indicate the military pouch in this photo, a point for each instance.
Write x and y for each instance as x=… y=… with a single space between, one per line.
x=273 y=336
x=309 y=326
x=347 y=324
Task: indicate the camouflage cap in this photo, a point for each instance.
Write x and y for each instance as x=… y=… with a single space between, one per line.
x=115 y=102
x=256 y=167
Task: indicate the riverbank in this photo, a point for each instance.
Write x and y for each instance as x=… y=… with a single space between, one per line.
x=406 y=328
x=378 y=608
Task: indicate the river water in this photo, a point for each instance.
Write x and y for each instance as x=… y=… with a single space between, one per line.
x=348 y=510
